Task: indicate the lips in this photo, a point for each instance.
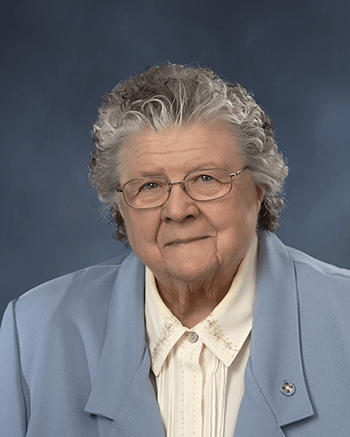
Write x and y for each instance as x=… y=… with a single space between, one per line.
x=185 y=240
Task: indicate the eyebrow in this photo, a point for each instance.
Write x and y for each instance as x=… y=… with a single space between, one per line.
x=147 y=174
x=205 y=166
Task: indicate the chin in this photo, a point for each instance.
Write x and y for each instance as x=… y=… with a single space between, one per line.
x=191 y=271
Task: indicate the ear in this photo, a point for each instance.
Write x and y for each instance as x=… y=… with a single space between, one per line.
x=260 y=189
x=120 y=204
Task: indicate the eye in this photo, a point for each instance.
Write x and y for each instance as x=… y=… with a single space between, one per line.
x=204 y=178
x=149 y=186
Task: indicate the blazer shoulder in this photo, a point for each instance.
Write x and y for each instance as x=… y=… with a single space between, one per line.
x=73 y=290
x=314 y=265
x=318 y=281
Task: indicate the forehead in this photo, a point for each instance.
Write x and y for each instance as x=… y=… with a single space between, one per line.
x=180 y=150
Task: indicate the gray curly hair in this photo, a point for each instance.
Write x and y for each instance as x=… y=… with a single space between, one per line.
x=175 y=95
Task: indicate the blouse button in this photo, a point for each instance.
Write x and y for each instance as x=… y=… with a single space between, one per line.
x=192 y=337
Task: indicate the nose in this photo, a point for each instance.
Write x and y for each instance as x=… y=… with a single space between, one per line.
x=179 y=205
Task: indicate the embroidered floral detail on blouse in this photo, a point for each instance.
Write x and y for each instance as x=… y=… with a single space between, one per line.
x=217 y=333
x=164 y=336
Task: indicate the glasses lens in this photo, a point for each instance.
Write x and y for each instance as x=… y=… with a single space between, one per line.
x=208 y=184
x=146 y=192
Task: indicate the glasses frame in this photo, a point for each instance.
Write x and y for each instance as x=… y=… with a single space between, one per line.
x=170 y=185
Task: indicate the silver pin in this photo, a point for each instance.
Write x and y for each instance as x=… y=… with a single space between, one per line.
x=287 y=388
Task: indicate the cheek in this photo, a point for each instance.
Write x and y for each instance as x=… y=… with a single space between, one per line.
x=236 y=217
x=141 y=227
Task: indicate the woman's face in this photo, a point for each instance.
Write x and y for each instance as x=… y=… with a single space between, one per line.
x=187 y=240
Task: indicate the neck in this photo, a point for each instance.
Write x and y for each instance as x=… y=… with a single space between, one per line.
x=192 y=302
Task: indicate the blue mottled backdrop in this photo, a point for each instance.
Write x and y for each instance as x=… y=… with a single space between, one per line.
x=59 y=58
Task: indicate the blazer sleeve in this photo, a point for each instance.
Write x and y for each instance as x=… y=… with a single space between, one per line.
x=13 y=411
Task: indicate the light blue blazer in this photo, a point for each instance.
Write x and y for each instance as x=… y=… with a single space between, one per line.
x=74 y=361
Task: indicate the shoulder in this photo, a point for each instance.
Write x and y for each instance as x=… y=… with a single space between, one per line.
x=313 y=278
x=313 y=265
x=79 y=295
x=63 y=316
x=83 y=280
x=320 y=281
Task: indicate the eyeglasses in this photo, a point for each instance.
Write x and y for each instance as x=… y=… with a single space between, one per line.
x=201 y=185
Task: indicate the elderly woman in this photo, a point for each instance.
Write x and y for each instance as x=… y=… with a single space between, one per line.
x=211 y=327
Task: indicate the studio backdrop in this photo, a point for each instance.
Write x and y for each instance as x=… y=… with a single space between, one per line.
x=59 y=58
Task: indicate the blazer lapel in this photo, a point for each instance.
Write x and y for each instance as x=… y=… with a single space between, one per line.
x=275 y=354
x=122 y=390
x=255 y=417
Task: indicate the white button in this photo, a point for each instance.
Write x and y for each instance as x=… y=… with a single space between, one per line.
x=192 y=337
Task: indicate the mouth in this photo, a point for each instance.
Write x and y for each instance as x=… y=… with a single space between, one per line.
x=185 y=241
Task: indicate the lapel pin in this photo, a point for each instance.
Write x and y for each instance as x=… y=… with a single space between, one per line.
x=287 y=388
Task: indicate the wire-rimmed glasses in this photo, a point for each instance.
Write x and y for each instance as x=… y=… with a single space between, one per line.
x=200 y=185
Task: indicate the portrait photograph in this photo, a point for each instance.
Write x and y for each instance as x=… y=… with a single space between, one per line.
x=175 y=187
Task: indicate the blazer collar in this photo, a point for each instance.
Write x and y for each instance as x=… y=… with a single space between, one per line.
x=275 y=354
x=122 y=390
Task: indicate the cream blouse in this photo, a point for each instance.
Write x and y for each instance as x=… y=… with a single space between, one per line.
x=199 y=372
